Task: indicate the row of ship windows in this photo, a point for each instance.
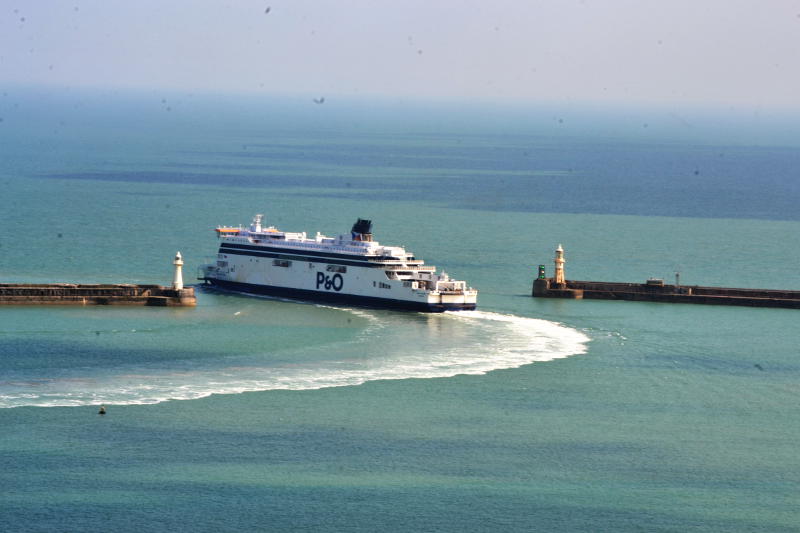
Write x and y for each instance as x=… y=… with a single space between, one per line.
x=286 y=264
x=330 y=268
x=334 y=268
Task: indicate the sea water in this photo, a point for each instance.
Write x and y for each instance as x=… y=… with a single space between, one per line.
x=528 y=414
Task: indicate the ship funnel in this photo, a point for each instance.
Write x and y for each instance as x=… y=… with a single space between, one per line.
x=362 y=230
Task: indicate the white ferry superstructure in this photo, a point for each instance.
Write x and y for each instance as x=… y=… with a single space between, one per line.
x=348 y=269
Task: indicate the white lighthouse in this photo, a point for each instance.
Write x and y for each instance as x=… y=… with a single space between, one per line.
x=559 y=262
x=177 y=281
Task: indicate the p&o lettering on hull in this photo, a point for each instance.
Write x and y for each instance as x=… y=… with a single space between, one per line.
x=335 y=282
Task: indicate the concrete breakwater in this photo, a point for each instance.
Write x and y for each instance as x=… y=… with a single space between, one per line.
x=654 y=292
x=100 y=294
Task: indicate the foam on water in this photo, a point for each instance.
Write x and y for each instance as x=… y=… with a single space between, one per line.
x=429 y=346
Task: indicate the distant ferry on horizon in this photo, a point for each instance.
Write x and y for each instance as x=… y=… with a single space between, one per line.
x=348 y=269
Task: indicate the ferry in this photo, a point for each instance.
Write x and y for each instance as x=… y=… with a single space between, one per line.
x=348 y=269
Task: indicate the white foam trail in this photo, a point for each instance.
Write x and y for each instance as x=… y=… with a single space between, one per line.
x=445 y=345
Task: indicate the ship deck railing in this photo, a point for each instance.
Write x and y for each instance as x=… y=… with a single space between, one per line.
x=422 y=268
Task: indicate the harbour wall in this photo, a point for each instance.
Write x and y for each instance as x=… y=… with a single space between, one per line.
x=647 y=292
x=100 y=294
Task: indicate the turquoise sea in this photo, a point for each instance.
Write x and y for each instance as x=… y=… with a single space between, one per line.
x=251 y=414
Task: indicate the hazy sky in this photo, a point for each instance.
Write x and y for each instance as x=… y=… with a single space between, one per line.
x=730 y=52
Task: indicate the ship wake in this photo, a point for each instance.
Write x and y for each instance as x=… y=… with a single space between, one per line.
x=389 y=346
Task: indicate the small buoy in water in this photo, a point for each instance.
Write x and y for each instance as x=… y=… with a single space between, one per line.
x=102 y=410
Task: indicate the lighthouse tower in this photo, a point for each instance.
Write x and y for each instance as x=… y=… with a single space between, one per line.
x=177 y=281
x=559 y=262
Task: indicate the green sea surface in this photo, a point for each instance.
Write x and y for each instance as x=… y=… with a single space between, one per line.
x=252 y=414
